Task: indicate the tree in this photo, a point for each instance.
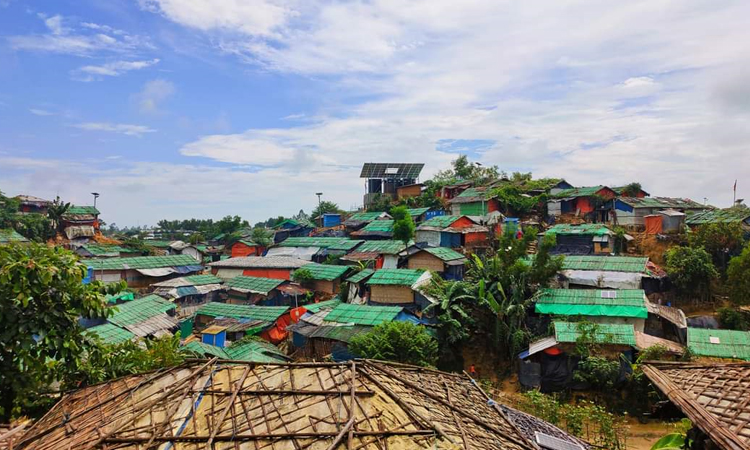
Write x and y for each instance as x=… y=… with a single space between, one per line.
x=262 y=236
x=632 y=189
x=402 y=342
x=325 y=207
x=455 y=301
x=196 y=238
x=721 y=240
x=464 y=170
x=738 y=277
x=302 y=275
x=230 y=224
x=42 y=296
x=56 y=211
x=403 y=224
x=8 y=210
x=691 y=271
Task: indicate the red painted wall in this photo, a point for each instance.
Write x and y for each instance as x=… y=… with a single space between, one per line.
x=279 y=274
x=474 y=238
x=463 y=222
x=583 y=204
x=240 y=249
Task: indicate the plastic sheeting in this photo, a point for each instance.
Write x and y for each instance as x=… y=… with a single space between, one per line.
x=160 y=272
x=604 y=279
x=303 y=253
x=561 y=309
x=653 y=224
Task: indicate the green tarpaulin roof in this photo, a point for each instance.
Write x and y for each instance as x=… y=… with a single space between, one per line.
x=359 y=276
x=267 y=313
x=156 y=243
x=364 y=216
x=10 y=235
x=661 y=202
x=140 y=309
x=304 y=241
x=346 y=244
x=99 y=249
x=123 y=296
x=363 y=314
x=81 y=210
x=444 y=253
x=381 y=226
x=396 y=277
x=141 y=262
x=325 y=272
x=579 y=192
x=440 y=221
x=605 y=334
x=606 y=263
x=255 y=351
x=719 y=343
x=585 y=228
x=389 y=247
x=200 y=280
x=730 y=215
x=316 y=307
x=416 y=212
x=593 y=302
x=254 y=284
x=111 y=334
x=201 y=349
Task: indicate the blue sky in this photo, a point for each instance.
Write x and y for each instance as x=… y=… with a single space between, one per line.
x=203 y=108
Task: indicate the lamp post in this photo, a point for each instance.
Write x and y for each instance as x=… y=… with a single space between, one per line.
x=96 y=195
x=318 y=194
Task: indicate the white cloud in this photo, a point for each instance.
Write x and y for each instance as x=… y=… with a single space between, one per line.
x=89 y=40
x=153 y=94
x=41 y=112
x=121 y=128
x=111 y=69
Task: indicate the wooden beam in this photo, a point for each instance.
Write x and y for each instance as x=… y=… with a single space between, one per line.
x=226 y=409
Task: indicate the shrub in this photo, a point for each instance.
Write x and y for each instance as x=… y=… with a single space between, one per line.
x=691 y=271
x=738 y=278
x=733 y=319
x=402 y=342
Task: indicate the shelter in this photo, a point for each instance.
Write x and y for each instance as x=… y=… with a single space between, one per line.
x=191 y=290
x=360 y=219
x=280 y=267
x=93 y=250
x=142 y=271
x=358 y=292
x=398 y=287
x=448 y=263
x=474 y=201
x=111 y=334
x=581 y=239
x=452 y=231
x=377 y=229
x=247 y=290
x=386 y=178
x=666 y=221
x=28 y=204
x=409 y=191
x=142 y=317
x=80 y=222
x=277 y=317
x=737 y=214
x=211 y=404
x=729 y=344
x=631 y=211
x=9 y=236
x=326 y=278
x=599 y=306
x=246 y=247
x=313 y=248
x=419 y=214
x=252 y=351
x=383 y=254
x=580 y=201
x=713 y=396
x=292 y=228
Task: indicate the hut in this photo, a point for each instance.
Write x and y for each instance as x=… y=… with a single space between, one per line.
x=10 y=236
x=325 y=278
x=280 y=267
x=581 y=201
x=312 y=248
x=419 y=215
x=276 y=317
x=252 y=351
x=474 y=201
x=713 y=396
x=739 y=215
x=142 y=271
x=190 y=291
x=143 y=317
x=398 y=287
x=93 y=250
x=667 y=221
x=729 y=344
x=452 y=232
x=584 y=239
x=246 y=247
x=605 y=272
x=247 y=290
x=292 y=228
x=359 y=219
x=445 y=261
x=110 y=334
x=377 y=229
x=453 y=190
x=358 y=292
x=378 y=254
x=80 y=222
x=28 y=204
x=364 y=403
x=627 y=306
x=409 y=191
x=632 y=211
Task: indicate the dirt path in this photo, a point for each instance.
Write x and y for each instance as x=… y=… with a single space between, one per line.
x=643 y=436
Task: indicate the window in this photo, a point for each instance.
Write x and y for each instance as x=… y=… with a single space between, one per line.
x=609 y=294
x=714 y=340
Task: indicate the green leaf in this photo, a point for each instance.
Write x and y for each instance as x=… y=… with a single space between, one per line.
x=673 y=441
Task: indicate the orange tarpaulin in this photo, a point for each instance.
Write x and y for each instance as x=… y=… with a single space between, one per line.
x=653 y=224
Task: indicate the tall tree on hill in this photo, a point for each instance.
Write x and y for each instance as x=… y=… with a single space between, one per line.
x=403 y=224
x=325 y=207
x=56 y=211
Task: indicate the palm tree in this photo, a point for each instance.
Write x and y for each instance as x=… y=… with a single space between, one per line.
x=55 y=212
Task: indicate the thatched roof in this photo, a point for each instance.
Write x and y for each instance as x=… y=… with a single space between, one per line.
x=715 y=397
x=223 y=405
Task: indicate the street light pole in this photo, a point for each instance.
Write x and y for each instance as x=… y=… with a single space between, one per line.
x=318 y=194
x=96 y=195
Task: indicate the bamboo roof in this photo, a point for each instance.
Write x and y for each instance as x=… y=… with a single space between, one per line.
x=713 y=396
x=239 y=405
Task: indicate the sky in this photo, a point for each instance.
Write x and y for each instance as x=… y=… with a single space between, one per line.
x=175 y=109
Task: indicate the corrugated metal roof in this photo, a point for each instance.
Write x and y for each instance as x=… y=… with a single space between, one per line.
x=729 y=215
x=316 y=307
x=326 y=272
x=585 y=228
x=719 y=343
x=606 y=333
x=104 y=250
x=359 y=276
x=255 y=351
x=140 y=262
x=580 y=192
x=256 y=285
x=445 y=253
x=339 y=333
x=267 y=313
x=593 y=302
x=311 y=241
x=346 y=244
x=397 y=277
x=416 y=212
x=80 y=210
x=366 y=216
x=606 y=263
x=388 y=247
x=203 y=349
x=140 y=309
x=661 y=202
x=381 y=226
x=111 y=334
x=439 y=222
x=10 y=235
x=262 y=262
x=363 y=314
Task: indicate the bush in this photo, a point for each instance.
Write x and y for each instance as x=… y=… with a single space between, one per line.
x=599 y=373
x=302 y=276
x=402 y=342
x=720 y=240
x=733 y=319
x=691 y=271
x=738 y=278
x=403 y=225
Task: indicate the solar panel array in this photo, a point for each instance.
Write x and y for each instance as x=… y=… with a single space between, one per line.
x=391 y=170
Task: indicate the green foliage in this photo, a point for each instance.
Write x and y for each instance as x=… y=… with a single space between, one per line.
x=41 y=298
x=139 y=245
x=586 y=420
x=302 y=275
x=380 y=203
x=632 y=190
x=654 y=353
x=600 y=373
x=35 y=227
x=326 y=207
x=453 y=311
x=678 y=440
x=733 y=319
x=691 y=271
x=55 y=212
x=104 y=362
x=196 y=238
x=587 y=343
x=175 y=229
x=403 y=224
x=514 y=200
x=721 y=240
x=402 y=342
x=738 y=278
x=262 y=236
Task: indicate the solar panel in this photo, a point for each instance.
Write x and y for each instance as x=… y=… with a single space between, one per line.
x=391 y=170
x=552 y=443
